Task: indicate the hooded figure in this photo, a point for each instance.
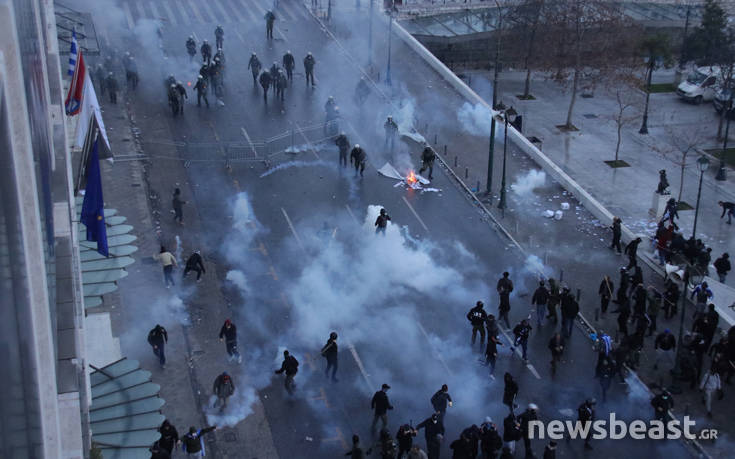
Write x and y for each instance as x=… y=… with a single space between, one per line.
x=433 y=433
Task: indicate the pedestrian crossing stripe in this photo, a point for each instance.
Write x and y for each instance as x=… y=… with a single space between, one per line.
x=189 y=12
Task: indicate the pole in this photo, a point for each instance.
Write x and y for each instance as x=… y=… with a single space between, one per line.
x=491 y=156
x=676 y=371
x=684 y=41
x=390 y=35
x=370 y=35
x=722 y=172
x=696 y=209
x=501 y=204
x=644 y=125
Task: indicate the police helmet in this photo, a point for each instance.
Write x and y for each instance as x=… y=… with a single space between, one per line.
x=253 y=54
x=191 y=36
x=342 y=133
x=390 y=117
x=200 y=77
x=109 y=74
x=533 y=407
x=173 y=86
x=309 y=53
x=330 y=98
x=170 y=76
x=180 y=83
x=357 y=145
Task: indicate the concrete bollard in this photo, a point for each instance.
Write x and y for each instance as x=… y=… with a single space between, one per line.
x=455 y=160
x=435 y=138
x=466 y=173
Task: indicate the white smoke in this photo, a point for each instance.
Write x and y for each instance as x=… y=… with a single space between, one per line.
x=238 y=278
x=526 y=183
x=475 y=119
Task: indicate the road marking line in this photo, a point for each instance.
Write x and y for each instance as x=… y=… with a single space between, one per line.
x=272 y=272
x=216 y=6
x=247 y=12
x=310 y=361
x=436 y=352
x=308 y=143
x=169 y=13
x=155 y=11
x=242 y=39
x=415 y=214
x=349 y=211
x=293 y=230
x=194 y=10
x=128 y=15
x=194 y=34
x=250 y=142
x=518 y=351
x=211 y=14
x=353 y=351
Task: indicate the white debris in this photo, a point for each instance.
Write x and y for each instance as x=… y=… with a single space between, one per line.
x=558 y=214
x=564 y=206
x=389 y=171
x=548 y=213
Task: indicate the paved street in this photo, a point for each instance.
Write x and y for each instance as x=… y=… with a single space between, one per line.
x=291 y=252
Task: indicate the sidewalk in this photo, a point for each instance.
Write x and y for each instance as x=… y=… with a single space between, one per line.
x=141 y=191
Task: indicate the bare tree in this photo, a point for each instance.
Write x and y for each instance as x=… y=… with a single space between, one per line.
x=624 y=86
x=585 y=39
x=527 y=19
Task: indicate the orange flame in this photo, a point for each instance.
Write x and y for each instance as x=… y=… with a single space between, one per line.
x=411 y=178
x=188 y=83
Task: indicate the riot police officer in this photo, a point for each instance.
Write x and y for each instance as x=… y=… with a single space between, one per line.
x=270 y=18
x=358 y=157
x=254 y=66
x=206 y=51
x=201 y=89
x=111 y=84
x=281 y=84
x=391 y=129
x=219 y=35
x=309 y=63
x=265 y=82
x=289 y=63
x=181 y=91
x=191 y=47
x=343 y=144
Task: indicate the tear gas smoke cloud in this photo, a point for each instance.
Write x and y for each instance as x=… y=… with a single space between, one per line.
x=238 y=278
x=475 y=119
x=526 y=183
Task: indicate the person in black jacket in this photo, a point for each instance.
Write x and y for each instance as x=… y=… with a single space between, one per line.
x=223 y=388
x=380 y=405
x=461 y=448
x=511 y=432
x=491 y=353
x=490 y=441
x=358 y=157
x=722 y=266
x=569 y=311
x=524 y=420
x=427 y=160
x=381 y=223
x=617 y=233
x=606 y=292
x=522 y=331
x=477 y=317
x=510 y=391
x=289 y=63
x=433 y=433
x=556 y=346
x=540 y=299
x=440 y=400
x=404 y=436
x=157 y=338
x=330 y=352
x=632 y=251
x=169 y=436
x=195 y=263
x=504 y=288
x=585 y=414
x=228 y=334
x=192 y=442
x=290 y=366
x=550 y=450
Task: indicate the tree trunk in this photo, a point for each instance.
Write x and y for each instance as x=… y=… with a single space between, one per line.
x=723 y=114
x=681 y=178
x=527 y=87
x=529 y=53
x=575 y=83
x=620 y=128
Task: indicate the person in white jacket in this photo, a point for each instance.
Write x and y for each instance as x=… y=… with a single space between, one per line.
x=710 y=384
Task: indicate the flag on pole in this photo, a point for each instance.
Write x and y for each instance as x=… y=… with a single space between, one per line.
x=90 y=108
x=73 y=53
x=93 y=206
x=73 y=101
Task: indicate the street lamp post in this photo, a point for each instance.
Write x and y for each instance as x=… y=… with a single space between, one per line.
x=370 y=35
x=702 y=165
x=509 y=113
x=496 y=70
x=644 y=125
x=390 y=35
x=722 y=172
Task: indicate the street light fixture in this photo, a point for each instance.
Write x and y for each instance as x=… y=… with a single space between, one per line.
x=694 y=276
x=722 y=172
x=702 y=165
x=508 y=116
x=390 y=35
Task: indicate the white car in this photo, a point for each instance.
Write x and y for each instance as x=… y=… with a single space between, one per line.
x=701 y=85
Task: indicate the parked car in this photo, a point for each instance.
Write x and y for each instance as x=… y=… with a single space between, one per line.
x=722 y=100
x=701 y=85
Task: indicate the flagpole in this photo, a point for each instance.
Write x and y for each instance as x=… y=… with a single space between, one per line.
x=86 y=148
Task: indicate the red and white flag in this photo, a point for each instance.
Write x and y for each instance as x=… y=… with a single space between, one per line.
x=74 y=97
x=90 y=107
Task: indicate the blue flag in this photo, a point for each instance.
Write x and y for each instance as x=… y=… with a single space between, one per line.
x=93 y=207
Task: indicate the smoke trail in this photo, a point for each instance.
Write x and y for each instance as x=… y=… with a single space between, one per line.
x=298 y=163
x=475 y=119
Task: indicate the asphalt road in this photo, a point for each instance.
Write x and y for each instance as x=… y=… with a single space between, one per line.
x=410 y=332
